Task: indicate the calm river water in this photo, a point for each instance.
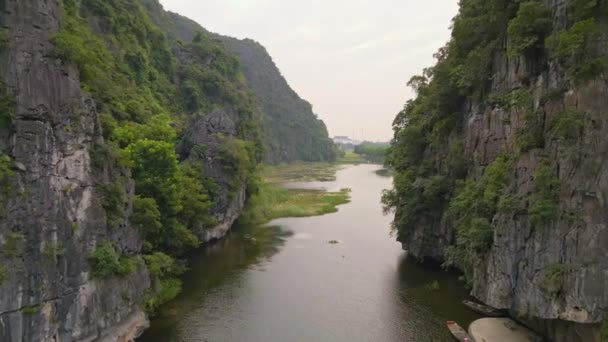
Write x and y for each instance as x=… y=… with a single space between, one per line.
x=290 y=284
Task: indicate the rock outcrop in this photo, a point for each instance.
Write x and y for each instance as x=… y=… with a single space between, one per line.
x=53 y=215
x=553 y=275
x=61 y=173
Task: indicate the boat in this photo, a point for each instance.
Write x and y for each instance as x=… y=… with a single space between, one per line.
x=484 y=309
x=458 y=332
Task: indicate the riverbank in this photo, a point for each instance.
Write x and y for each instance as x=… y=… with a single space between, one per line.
x=274 y=201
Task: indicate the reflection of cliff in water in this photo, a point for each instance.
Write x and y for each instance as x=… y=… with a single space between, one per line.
x=217 y=268
x=359 y=289
x=431 y=293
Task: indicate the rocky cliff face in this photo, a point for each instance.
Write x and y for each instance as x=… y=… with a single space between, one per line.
x=546 y=259
x=52 y=216
x=64 y=191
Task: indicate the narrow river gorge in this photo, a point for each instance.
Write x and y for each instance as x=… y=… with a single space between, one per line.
x=286 y=282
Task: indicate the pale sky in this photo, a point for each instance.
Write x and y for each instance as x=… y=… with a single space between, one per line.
x=351 y=59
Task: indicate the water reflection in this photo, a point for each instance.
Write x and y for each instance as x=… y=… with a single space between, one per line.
x=215 y=271
x=289 y=283
x=428 y=296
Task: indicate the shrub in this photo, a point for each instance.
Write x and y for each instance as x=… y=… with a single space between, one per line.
x=509 y=204
x=553 y=279
x=477 y=236
x=527 y=31
x=114 y=199
x=105 y=262
x=162 y=265
x=164 y=269
x=576 y=50
x=544 y=202
x=520 y=98
x=195 y=213
x=585 y=9
x=531 y=136
x=472 y=210
x=568 y=124
x=147 y=218
x=166 y=290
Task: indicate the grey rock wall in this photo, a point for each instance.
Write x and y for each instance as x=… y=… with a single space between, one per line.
x=53 y=216
x=510 y=275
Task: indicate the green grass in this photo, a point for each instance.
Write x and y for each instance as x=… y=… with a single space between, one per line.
x=273 y=201
x=300 y=172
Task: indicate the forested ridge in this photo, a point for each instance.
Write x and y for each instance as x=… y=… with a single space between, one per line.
x=291 y=130
x=148 y=94
x=491 y=148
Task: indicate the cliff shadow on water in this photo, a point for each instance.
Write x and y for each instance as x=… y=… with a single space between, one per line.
x=214 y=268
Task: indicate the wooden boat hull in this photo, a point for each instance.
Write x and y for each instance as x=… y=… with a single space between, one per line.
x=484 y=309
x=458 y=332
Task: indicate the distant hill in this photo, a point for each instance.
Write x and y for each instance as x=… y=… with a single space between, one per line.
x=291 y=131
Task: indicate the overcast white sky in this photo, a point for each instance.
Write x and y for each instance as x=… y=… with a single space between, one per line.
x=350 y=58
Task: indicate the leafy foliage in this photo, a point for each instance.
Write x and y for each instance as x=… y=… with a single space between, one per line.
x=544 y=202
x=531 y=135
x=553 y=279
x=472 y=211
x=106 y=262
x=577 y=50
x=568 y=124
x=114 y=200
x=527 y=31
x=164 y=271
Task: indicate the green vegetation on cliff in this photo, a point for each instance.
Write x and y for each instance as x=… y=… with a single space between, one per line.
x=291 y=130
x=436 y=183
x=147 y=94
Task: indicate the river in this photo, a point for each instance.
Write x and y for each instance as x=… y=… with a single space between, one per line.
x=290 y=284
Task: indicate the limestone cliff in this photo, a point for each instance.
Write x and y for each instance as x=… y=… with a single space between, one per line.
x=510 y=184
x=90 y=92
x=53 y=216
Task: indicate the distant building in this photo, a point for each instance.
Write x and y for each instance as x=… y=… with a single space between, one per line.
x=345 y=140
